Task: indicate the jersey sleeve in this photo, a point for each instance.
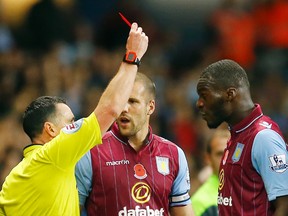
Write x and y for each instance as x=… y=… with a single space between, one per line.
x=269 y=158
x=83 y=174
x=181 y=185
x=73 y=142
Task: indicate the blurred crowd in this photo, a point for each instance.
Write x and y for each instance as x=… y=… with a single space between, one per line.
x=71 y=51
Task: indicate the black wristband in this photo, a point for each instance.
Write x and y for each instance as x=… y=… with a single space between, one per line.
x=131 y=58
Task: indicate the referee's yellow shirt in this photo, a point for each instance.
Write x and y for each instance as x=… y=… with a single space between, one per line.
x=43 y=183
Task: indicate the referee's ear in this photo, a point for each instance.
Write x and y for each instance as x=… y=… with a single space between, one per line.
x=50 y=130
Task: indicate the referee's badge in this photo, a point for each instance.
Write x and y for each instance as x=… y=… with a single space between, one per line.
x=162 y=165
x=73 y=127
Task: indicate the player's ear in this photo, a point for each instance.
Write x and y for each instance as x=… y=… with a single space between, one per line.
x=231 y=93
x=151 y=107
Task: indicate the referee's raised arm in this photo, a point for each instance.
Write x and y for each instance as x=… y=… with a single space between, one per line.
x=43 y=183
x=118 y=91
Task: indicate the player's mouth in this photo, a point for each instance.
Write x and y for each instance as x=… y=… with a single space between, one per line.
x=123 y=121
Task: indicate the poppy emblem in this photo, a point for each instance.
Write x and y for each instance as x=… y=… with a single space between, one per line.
x=140 y=171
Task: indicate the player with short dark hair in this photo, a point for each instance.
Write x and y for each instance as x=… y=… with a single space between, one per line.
x=251 y=182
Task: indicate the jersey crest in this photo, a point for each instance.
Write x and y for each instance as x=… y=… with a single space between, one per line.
x=237 y=153
x=162 y=165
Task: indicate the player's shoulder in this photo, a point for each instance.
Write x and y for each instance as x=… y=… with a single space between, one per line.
x=268 y=133
x=162 y=142
x=167 y=148
x=267 y=124
x=263 y=123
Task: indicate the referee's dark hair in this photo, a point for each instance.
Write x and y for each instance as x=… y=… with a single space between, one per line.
x=38 y=112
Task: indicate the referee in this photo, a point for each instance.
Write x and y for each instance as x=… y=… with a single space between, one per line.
x=43 y=183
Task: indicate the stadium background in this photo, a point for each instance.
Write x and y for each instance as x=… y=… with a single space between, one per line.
x=72 y=49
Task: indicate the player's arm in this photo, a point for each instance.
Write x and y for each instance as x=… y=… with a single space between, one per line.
x=180 y=202
x=118 y=91
x=281 y=206
x=182 y=210
x=268 y=145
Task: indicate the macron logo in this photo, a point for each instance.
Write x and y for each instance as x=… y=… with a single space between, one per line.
x=117 y=163
x=266 y=124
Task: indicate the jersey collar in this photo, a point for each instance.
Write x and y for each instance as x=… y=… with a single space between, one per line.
x=30 y=148
x=116 y=132
x=249 y=120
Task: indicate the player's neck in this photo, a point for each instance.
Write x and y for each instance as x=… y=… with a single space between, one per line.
x=137 y=147
x=139 y=140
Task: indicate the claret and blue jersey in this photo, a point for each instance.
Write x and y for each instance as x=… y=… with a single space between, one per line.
x=114 y=179
x=253 y=170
